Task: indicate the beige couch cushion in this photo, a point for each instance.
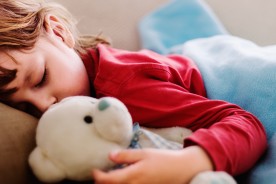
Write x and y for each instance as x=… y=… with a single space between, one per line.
x=116 y=19
x=16 y=142
x=253 y=20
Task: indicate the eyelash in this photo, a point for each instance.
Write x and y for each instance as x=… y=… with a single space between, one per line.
x=43 y=80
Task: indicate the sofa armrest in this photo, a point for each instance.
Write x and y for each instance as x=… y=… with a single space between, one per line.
x=17 y=139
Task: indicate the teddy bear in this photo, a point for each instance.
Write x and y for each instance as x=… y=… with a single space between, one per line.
x=76 y=135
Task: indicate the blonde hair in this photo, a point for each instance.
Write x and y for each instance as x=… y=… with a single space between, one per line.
x=22 y=21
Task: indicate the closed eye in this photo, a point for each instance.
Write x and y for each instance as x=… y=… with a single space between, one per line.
x=43 y=79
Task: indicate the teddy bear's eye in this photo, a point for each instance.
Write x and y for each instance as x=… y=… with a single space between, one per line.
x=88 y=119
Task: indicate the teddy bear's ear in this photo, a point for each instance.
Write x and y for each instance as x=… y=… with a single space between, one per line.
x=44 y=168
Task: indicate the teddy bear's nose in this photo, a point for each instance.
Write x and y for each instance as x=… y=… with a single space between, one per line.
x=103 y=104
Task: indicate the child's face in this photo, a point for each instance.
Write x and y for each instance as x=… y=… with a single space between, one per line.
x=49 y=72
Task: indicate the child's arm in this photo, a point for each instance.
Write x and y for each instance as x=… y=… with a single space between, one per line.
x=156 y=166
x=166 y=91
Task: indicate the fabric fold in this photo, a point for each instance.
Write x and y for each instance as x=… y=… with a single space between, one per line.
x=176 y=22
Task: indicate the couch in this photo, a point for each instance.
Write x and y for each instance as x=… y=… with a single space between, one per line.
x=251 y=19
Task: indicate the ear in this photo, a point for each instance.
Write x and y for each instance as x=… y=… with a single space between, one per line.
x=55 y=27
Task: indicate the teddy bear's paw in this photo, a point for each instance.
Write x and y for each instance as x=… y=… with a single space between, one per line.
x=211 y=177
x=174 y=134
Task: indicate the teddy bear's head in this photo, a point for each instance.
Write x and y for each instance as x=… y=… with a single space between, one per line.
x=75 y=130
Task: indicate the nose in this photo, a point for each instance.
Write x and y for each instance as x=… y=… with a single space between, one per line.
x=103 y=104
x=42 y=103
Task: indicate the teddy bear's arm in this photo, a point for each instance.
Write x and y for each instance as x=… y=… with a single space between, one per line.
x=211 y=177
x=174 y=134
x=44 y=168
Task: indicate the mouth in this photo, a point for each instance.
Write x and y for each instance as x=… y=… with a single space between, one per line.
x=53 y=106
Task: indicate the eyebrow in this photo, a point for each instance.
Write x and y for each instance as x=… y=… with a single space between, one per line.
x=28 y=77
x=6 y=76
x=6 y=93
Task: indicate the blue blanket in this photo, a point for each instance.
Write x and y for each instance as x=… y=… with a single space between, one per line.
x=233 y=69
x=238 y=71
x=265 y=171
x=241 y=72
x=176 y=22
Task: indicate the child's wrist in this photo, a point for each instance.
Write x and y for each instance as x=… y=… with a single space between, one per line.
x=197 y=159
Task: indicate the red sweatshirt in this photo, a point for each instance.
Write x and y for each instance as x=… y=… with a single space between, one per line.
x=166 y=91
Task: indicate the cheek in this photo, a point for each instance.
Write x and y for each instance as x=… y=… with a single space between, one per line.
x=72 y=81
x=69 y=74
x=81 y=82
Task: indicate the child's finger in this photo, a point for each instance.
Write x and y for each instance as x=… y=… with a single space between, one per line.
x=127 y=156
x=99 y=177
x=112 y=177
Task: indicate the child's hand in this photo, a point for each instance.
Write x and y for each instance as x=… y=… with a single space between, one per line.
x=155 y=166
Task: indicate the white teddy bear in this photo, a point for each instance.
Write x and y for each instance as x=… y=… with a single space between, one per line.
x=76 y=135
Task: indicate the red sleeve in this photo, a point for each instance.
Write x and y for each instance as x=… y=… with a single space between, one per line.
x=171 y=93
